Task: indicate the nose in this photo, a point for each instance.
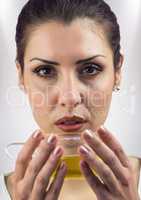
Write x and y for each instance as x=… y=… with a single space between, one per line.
x=70 y=94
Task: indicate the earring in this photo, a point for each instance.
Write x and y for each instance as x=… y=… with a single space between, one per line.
x=21 y=87
x=116 y=88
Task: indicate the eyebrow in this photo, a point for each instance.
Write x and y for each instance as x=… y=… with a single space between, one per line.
x=55 y=63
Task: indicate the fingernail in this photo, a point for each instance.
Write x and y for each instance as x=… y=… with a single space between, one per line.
x=103 y=128
x=102 y=131
x=83 y=150
x=62 y=165
x=88 y=134
x=51 y=139
x=36 y=134
x=57 y=151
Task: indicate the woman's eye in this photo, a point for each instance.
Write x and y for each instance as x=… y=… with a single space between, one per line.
x=45 y=71
x=90 y=70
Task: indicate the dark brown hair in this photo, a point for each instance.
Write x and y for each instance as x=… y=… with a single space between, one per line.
x=36 y=12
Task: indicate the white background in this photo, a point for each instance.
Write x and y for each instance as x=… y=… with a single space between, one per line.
x=16 y=121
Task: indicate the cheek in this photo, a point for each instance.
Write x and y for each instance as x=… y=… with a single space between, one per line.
x=42 y=101
x=40 y=96
x=99 y=98
x=37 y=103
x=100 y=93
x=38 y=99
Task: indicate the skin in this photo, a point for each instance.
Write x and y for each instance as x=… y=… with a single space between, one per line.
x=68 y=92
x=59 y=95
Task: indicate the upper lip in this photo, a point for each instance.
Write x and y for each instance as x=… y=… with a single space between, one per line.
x=72 y=118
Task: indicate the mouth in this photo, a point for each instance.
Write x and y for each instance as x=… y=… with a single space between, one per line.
x=73 y=123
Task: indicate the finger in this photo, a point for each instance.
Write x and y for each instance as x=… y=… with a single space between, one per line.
x=42 y=180
x=107 y=155
x=55 y=187
x=102 y=170
x=96 y=185
x=25 y=154
x=113 y=144
x=44 y=150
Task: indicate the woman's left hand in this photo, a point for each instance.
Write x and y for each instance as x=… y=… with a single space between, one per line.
x=115 y=177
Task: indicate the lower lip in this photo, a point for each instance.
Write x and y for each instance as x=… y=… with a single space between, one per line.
x=73 y=127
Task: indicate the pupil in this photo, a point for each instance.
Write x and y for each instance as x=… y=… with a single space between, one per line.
x=90 y=70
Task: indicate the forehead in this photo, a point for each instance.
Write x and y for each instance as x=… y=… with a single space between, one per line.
x=56 y=39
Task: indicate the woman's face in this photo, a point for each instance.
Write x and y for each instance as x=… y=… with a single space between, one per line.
x=68 y=71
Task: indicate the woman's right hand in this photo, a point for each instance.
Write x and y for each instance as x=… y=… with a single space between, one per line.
x=31 y=178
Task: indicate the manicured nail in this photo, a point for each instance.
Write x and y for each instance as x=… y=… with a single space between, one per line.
x=102 y=131
x=88 y=134
x=62 y=166
x=57 y=151
x=103 y=128
x=36 y=134
x=51 y=139
x=83 y=150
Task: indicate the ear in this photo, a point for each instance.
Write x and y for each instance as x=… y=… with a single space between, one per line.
x=118 y=72
x=20 y=76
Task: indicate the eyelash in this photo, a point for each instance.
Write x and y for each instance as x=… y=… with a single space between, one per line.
x=43 y=68
x=96 y=67
x=37 y=71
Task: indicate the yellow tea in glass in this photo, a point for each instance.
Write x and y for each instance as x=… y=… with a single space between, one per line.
x=70 y=144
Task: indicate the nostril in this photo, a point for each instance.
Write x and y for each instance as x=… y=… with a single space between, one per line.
x=63 y=104
x=71 y=99
x=70 y=104
x=82 y=98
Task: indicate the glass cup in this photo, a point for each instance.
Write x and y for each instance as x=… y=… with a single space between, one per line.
x=70 y=144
